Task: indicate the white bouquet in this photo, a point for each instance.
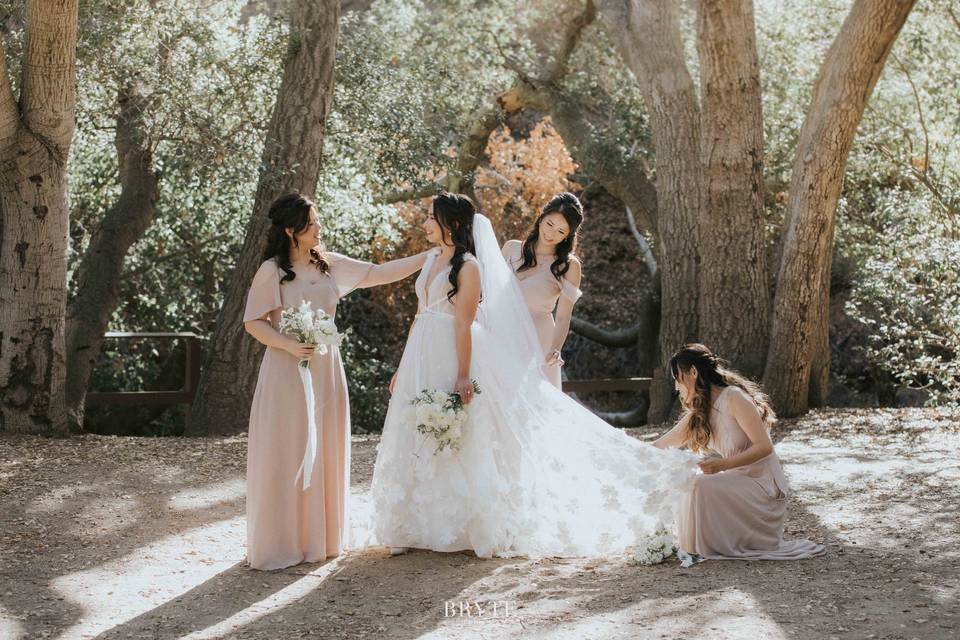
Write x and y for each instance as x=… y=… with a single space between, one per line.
x=654 y=548
x=310 y=327
x=440 y=415
x=317 y=328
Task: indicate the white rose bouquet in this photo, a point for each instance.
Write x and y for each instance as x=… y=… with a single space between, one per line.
x=310 y=327
x=654 y=548
x=440 y=416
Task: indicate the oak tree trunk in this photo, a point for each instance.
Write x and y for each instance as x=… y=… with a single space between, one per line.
x=291 y=162
x=101 y=269
x=734 y=297
x=646 y=33
x=800 y=312
x=35 y=137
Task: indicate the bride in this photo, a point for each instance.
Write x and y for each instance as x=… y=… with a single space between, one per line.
x=537 y=474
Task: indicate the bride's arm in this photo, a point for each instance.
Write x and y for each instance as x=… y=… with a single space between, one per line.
x=465 y=311
x=393 y=270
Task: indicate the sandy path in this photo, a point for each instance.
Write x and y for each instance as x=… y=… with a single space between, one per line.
x=142 y=538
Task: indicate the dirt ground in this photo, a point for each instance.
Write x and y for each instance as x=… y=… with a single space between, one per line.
x=142 y=538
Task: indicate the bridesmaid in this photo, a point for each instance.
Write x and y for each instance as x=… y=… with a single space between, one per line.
x=737 y=508
x=549 y=274
x=287 y=525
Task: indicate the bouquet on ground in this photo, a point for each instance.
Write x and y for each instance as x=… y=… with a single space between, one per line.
x=315 y=327
x=440 y=416
x=654 y=548
x=310 y=327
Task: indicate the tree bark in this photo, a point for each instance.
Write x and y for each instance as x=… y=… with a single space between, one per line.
x=291 y=162
x=35 y=137
x=101 y=269
x=646 y=33
x=734 y=297
x=800 y=312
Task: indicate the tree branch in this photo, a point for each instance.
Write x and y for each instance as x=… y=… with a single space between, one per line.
x=648 y=258
x=48 y=92
x=626 y=337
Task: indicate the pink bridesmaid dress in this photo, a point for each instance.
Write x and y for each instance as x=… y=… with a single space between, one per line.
x=285 y=524
x=541 y=291
x=739 y=513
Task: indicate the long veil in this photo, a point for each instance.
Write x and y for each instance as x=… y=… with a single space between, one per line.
x=568 y=482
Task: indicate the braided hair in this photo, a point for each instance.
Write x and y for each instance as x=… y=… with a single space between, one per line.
x=454 y=213
x=291 y=211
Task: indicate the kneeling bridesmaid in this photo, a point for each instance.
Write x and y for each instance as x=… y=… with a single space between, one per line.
x=737 y=508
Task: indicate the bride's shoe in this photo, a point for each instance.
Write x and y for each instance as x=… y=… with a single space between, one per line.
x=397 y=551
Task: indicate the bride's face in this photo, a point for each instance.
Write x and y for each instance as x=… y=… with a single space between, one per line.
x=553 y=229
x=432 y=229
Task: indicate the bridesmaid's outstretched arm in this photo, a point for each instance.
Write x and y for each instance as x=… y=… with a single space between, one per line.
x=675 y=438
x=393 y=270
x=465 y=304
x=565 y=310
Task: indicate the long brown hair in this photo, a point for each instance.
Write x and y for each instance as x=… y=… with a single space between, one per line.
x=711 y=371
x=454 y=213
x=291 y=211
x=570 y=208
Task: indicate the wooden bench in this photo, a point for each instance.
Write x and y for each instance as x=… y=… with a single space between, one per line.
x=191 y=375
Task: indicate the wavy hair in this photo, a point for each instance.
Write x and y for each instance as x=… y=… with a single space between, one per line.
x=568 y=205
x=454 y=213
x=291 y=211
x=711 y=371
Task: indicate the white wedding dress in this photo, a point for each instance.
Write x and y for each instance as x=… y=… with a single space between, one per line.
x=537 y=474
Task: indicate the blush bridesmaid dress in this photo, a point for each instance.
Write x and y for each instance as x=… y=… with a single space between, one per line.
x=739 y=513
x=285 y=524
x=541 y=291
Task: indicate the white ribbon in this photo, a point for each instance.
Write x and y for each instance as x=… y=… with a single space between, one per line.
x=310 y=453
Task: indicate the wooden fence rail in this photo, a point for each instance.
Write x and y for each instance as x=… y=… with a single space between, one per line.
x=191 y=378
x=191 y=375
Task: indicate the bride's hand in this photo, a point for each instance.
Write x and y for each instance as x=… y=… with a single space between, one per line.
x=393 y=383
x=464 y=389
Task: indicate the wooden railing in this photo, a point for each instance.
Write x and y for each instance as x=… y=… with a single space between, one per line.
x=191 y=378
x=191 y=375
x=606 y=384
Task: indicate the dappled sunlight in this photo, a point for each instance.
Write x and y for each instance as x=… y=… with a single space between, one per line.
x=112 y=593
x=209 y=495
x=10 y=627
x=272 y=604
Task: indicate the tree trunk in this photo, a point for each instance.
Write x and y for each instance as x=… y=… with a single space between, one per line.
x=846 y=79
x=35 y=137
x=101 y=269
x=734 y=301
x=646 y=33
x=291 y=162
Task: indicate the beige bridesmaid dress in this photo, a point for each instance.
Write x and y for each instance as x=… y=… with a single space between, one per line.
x=285 y=524
x=739 y=514
x=541 y=291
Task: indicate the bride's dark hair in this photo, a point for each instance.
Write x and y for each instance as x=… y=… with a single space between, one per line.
x=567 y=205
x=711 y=371
x=291 y=211
x=454 y=213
